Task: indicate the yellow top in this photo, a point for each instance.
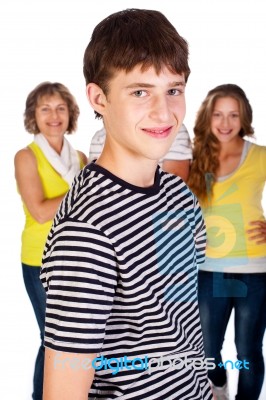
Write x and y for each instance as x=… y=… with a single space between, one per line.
x=236 y=201
x=34 y=234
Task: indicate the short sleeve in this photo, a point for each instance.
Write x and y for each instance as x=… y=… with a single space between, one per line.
x=181 y=148
x=96 y=145
x=79 y=275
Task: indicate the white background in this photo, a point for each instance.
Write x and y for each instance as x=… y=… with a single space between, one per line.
x=45 y=40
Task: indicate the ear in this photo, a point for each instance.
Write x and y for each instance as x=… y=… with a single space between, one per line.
x=96 y=97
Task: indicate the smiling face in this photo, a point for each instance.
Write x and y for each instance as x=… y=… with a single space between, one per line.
x=225 y=120
x=142 y=111
x=52 y=116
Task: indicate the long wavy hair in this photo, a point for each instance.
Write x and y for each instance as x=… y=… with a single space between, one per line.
x=206 y=146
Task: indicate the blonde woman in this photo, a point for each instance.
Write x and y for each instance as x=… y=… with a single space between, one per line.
x=228 y=175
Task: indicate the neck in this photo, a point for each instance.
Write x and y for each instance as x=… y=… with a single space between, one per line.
x=132 y=168
x=232 y=146
x=229 y=157
x=55 y=142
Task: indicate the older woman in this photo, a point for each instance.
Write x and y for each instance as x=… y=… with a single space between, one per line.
x=44 y=172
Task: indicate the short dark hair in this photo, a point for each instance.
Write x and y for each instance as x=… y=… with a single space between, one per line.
x=133 y=37
x=49 y=89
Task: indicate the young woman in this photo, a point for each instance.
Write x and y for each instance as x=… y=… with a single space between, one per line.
x=44 y=172
x=228 y=176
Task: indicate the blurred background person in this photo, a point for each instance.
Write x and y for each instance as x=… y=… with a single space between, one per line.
x=44 y=171
x=228 y=176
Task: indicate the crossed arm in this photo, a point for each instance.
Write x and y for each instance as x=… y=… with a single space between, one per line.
x=30 y=186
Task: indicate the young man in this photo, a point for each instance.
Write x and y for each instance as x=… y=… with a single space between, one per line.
x=120 y=264
x=176 y=160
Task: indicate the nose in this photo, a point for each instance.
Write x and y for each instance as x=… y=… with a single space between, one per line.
x=225 y=122
x=160 y=109
x=54 y=113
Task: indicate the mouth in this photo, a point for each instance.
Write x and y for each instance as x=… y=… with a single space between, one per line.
x=54 y=124
x=160 y=133
x=225 y=132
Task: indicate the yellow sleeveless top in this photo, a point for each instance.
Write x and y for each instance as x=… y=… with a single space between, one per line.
x=34 y=234
x=237 y=201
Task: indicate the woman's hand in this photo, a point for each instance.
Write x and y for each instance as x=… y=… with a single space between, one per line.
x=257 y=233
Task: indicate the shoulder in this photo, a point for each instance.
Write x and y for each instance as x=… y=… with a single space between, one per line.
x=25 y=164
x=173 y=183
x=181 y=148
x=259 y=148
x=259 y=157
x=184 y=202
x=25 y=155
x=182 y=137
x=99 y=136
x=96 y=144
x=258 y=152
x=82 y=157
x=183 y=133
x=77 y=199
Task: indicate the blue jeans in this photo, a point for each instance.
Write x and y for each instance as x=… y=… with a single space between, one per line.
x=37 y=297
x=219 y=293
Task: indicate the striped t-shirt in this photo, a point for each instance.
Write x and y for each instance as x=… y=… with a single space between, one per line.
x=120 y=270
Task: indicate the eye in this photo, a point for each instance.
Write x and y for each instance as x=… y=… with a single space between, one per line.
x=62 y=108
x=175 y=92
x=44 y=109
x=235 y=115
x=140 y=93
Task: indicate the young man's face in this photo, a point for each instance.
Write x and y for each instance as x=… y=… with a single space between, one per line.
x=143 y=112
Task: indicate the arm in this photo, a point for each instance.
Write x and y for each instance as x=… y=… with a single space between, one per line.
x=30 y=188
x=67 y=376
x=177 y=167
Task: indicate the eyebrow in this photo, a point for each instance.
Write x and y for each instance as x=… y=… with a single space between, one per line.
x=148 y=85
x=47 y=104
x=232 y=111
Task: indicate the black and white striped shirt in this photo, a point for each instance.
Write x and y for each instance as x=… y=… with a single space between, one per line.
x=120 y=271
